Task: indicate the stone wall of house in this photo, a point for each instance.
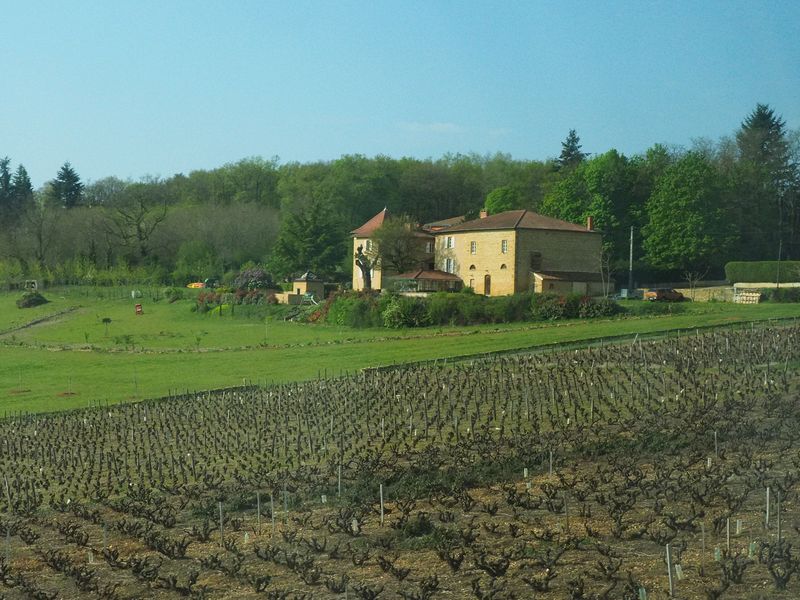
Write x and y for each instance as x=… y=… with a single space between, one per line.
x=557 y=251
x=488 y=259
x=510 y=272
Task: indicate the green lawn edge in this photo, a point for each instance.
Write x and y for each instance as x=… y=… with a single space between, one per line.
x=37 y=380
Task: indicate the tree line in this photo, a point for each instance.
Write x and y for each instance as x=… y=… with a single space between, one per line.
x=691 y=209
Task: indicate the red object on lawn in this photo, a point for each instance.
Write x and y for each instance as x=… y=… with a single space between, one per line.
x=139 y=310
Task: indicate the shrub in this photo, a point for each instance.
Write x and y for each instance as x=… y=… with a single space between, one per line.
x=472 y=309
x=404 y=311
x=547 y=307
x=253 y=278
x=31 y=299
x=172 y=294
x=443 y=309
x=355 y=309
x=765 y=271
x=782 y=295
x=602 y=307
x=508 y=309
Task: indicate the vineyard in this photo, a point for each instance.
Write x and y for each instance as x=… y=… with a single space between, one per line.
x=638 y=471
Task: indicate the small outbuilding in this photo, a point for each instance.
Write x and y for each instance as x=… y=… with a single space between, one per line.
x=309 y=283
x=567 y=282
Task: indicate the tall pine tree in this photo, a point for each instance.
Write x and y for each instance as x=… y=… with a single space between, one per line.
x=5 y=186
x=67 y=189
x=766 y=184
x=571 y=155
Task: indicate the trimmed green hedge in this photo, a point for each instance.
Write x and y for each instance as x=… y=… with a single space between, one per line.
x=367 y=309
x=765 y=271
x=781 y=295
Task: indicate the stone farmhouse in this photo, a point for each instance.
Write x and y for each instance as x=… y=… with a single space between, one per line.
x=496 y=255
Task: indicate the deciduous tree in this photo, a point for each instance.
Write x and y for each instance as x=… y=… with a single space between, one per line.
x=687 y=230
x=502 y=199
x=311 y=238
x=398 y=245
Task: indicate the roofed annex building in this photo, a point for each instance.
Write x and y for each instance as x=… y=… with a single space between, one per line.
x=496 y=255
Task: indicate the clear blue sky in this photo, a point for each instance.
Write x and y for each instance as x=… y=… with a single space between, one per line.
x=133 y=88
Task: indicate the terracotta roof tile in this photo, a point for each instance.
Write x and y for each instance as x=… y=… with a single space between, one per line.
x=428 y=275
x=516 y=219
x=368 y=228
x=442 y=224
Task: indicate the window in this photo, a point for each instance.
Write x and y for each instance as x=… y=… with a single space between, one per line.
x=449 y=265
x=504 y=246
x=473 y=247
x=472 y=283
x=448 y=242
x=536 y=261
x=472 y=267
x=503 y=266
x=429 y=247
x=369 y=245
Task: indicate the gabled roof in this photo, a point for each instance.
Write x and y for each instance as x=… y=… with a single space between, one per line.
x=375 y=223
x=368 y=228
x=516 y=219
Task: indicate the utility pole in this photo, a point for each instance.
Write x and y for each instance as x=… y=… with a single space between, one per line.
x=630 y=266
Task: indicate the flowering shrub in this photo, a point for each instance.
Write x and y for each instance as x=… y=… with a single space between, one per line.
x=207 y=300
x=254 y=278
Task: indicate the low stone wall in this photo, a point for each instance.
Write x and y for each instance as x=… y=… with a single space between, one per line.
x=704 y=294
x=289 y=298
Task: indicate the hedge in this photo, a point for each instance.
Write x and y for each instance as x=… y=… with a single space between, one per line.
x=362 y=309
x=765 y=271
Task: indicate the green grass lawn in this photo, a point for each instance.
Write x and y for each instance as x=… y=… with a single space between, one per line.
x=71 y=361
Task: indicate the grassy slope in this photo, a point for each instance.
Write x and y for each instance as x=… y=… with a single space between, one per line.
x=35 y=376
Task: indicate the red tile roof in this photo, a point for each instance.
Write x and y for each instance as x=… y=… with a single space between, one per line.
x=442 y=224
x=516 y=219
x=368 y=228
x=428 y=275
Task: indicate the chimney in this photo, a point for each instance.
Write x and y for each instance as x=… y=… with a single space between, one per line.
x=589 y=223
x=483 y=214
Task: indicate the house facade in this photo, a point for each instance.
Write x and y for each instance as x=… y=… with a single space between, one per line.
x=363 y=242
x=516 y=251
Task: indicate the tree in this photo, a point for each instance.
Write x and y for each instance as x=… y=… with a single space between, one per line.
x=6 y=195
x=21 y=187
x=39 y=228
x=601 y=188
x=365 y=263
x=135 y=217
x=687 y=231
x=104 y=192
x=398 y=246
x=571 y=155
x=311 y=239
x=502 y=199
x=66 y=189
x=766 y=185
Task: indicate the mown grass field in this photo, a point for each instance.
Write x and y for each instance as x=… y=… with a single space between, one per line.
x=74 y=359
